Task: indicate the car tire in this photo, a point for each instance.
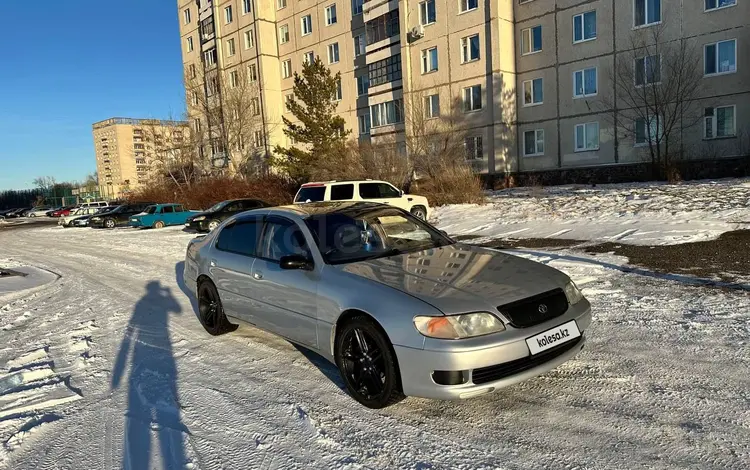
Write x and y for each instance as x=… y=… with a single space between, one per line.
x=373 y=366
x=211 y=311
x=31 y=215
x=110 y=223
x=419 y=212
x=212 y=225
x=159 y=224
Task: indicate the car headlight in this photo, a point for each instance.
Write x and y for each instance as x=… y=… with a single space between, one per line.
x=572 y=293
x=199 y=218
x=459 y=326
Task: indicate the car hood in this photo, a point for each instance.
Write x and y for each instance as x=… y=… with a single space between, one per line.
x=198 y=214
x=461 y=278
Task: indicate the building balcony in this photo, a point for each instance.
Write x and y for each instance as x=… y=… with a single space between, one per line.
x=375 y=8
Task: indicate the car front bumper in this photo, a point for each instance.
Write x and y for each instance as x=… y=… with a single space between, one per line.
x=507 y=351
x=197 y=226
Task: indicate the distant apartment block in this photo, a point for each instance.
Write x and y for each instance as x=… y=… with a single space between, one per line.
x=528 y=78
x=124 y=149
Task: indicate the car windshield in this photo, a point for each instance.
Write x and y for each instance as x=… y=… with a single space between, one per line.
x=311 y=194
x=358 y=234
x=150 y=210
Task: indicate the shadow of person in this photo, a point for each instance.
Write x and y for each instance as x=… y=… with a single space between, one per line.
x=179 y=274
x=153 y=402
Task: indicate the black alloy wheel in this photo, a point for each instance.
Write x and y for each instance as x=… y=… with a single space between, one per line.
x=367 y=363
x=210 y=310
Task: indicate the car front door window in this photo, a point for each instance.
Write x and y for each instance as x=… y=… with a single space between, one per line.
x=282 y=238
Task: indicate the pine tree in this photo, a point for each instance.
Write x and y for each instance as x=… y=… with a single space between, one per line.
x=320 y=129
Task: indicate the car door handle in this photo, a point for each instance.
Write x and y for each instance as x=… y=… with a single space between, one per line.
x=258 y=275
x=212 y=263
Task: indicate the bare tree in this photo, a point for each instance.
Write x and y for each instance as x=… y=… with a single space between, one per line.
x=172 y=151
x=656 y=85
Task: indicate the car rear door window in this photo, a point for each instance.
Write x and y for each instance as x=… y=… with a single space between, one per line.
x=247 y=205
x=240 y=238
x=311 y=194
x=342 y=192
x=377 y=191
x=282 y=237
x=167 y=209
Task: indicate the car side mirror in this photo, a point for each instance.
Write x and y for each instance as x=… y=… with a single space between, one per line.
x=296 y=262
x=400 y=192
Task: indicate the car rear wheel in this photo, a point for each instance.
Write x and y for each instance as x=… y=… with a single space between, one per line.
x=211 y=311
x=110 y=223
x=419 y=212
x=212 y=225
x=367 y=363
x=159 y=224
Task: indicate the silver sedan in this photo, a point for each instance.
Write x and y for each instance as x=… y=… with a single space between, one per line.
x=399 y=307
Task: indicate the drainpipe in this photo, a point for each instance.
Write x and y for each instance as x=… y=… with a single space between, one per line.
x=263 y=116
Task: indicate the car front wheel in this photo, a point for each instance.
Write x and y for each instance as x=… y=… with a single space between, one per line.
x=419 y=212
x=211 y=311
x=212 y=225
x=109 y=223
x=368 y=364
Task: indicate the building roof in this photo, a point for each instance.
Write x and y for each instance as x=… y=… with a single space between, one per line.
x=137 y=122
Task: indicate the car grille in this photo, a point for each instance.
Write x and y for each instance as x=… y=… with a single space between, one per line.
x=506 y=369
x=535 y=310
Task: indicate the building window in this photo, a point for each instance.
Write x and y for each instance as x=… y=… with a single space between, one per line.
x=429 y=60
x=385 y=70
x=646 y=12
x=363 y=85
x=720 y=57
x=472 y=98
x=719 y=122
x=473 y=147
x=191 y=71
x=186 y=16
x=286 y=68
x=212 y=86
x=339 y=95
x=533 y=143
x=646 y=133
x=230 y=47
x=427 y=14
x=284 y=34
x=210 y=57
x=249 y=41
x=359 y=45
x=357 y=7
x=234 y=79
x=587 y=137
x=190 y=44
x=531 y=40
x=717 y=4
x=432 y=106
x=383 y=27
x=647 y=70
x=207 y=27
x=384 y=114
x=533 y=92
x=258 y=138
x=333 y=53
x=252 y=73
x=247 y=6
x=194 y=99
x=255 y=106
x=364 y=124
x=288 y=99
x=280 y=4
x=306 y=22
x=584 y=26
x=470 y=48
x=331 y=15
x=468 y=5
x=228 y=16
x=585 y=82
x=308 y=57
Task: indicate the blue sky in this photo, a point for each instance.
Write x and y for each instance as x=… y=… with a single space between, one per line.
x=69 y=64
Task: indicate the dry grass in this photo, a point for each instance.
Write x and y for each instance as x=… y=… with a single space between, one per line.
x=456 y=184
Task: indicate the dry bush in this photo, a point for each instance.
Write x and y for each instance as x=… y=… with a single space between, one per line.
x=454 y=184
x=208 y=191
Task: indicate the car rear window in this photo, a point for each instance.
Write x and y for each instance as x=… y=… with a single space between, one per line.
x=342 y=192
x=377 y=191
x=240 y=238
x=311 y=194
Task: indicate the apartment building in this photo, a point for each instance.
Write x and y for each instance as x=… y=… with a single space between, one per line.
x=124 y=149
x=529 y=82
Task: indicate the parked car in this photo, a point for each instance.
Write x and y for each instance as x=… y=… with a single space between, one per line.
x=363 y=190
x=161 y=215
x=5 y=212
x=39 y=211
x=397 y=305
x=85 y=220
x=112 y=217
x=80 y=212
x=63 y=211
x=17 y=212
x=93 y=204
x=210 y=219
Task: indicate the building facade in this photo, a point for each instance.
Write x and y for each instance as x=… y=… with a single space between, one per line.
x=125 y=151
x=531 y=83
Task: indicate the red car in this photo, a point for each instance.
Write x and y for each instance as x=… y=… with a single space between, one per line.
x=65 y=211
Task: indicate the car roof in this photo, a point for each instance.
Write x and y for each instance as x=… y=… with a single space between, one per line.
x=313 y=184
x=311 y=209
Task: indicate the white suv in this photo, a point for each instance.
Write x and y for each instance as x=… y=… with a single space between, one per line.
x=363 y=190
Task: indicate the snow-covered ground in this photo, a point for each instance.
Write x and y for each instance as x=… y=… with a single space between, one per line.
x=108 y=367
x=642 y=213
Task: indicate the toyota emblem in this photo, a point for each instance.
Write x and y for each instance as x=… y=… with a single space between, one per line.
x=542 y=308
